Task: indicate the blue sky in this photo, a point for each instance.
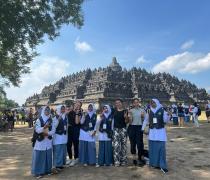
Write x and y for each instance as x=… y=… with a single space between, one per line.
x=159 y=35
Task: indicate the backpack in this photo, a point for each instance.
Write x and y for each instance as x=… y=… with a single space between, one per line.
x=199 y=111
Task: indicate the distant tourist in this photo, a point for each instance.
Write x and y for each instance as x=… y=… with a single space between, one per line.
x=174 y=111
x=11 y=120
x=136 y=118
x=23 y=116
x=42 y=150
x=120 y=134
x=105 y=126
x=181 y=115
x=191 y=112
x=196 y=113
x=30 y=118
x=157 y=135
x=87 y=144
x=186 y=114
x=208 y=112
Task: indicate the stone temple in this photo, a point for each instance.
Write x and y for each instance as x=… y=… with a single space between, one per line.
x=103 y=85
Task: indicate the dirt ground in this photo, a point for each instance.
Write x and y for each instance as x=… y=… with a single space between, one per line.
x=188 y=156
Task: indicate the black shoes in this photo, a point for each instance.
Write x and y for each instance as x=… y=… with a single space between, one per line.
x=135 y=162
x=141 y=163
x=164 y=170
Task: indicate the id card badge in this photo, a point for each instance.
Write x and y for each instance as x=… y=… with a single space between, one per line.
x=154 y=120
x=104 y=126
x=90 y=125
x=65 y=128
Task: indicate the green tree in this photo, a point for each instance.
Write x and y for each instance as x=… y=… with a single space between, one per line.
x=23 y=26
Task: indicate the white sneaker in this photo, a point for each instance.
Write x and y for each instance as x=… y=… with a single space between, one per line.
x=85 y=165
x=97 y=165
x=74 y=162
x=68 y=162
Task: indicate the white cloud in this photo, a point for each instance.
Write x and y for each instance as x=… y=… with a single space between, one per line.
x=141 y=60
x=82 y=46
x=208 y=89
x=44 y=71
x=199 y=65
x=187 y=45
x=185 y=62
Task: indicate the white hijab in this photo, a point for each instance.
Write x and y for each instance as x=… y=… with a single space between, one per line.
x=106 y=114
x=90 y=113
x=58 y=111
x=158 y=105
x=44 y=117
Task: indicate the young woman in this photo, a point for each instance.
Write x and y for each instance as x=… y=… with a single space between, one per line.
x=119 y=136
x=74 y=116
x=186 y=114
x=105 y=126
x=174 y=111
x=181 y=115
x=157 y=118
x=195 y=115
x=60 y=138
x=87 y=145
x=136 y=117
x=42 y=151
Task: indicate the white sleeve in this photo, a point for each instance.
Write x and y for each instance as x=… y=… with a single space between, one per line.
x=166 y=117
x=145 y=122
x=98 y=122
x=82 y=120
x=38 y=127
x=54 y=126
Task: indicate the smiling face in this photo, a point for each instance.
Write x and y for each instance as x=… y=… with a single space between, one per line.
x=77 y=105
x=90 y=108
x=47 y=111
x=153 y=104
x=105 y=109
x=136 y=103
x=63 y=109
x=118 y=104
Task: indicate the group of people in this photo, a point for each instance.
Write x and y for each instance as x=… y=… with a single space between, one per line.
x=54 y=136
x=10 y=117
x=7 y=121
x=182 y=114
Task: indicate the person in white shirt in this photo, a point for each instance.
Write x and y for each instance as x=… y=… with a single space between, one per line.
x=87 y=145
x=60 y=138
x=42 y=150
x=195 y=115
x=105 y=127
x=157 y=118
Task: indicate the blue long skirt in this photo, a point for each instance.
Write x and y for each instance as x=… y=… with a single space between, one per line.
x=59 y=155
x=105 y=155
x=157 y=154
x=41 y=162
x=87 y=152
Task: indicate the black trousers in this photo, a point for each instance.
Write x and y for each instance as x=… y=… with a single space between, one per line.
x=136 y=139
x=73 y=140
